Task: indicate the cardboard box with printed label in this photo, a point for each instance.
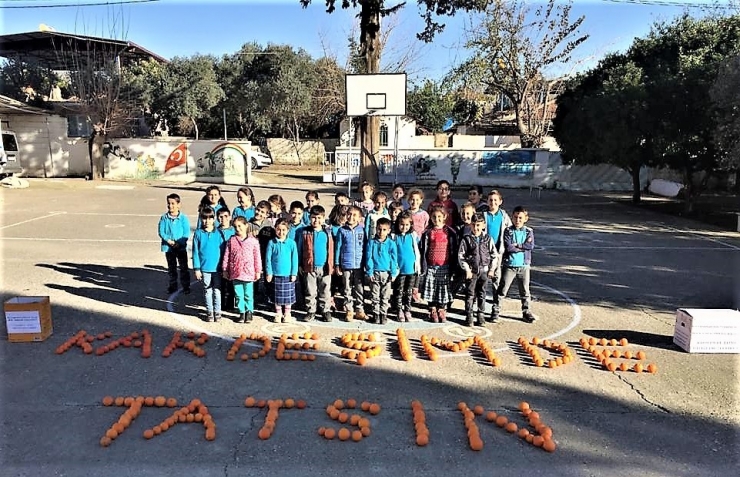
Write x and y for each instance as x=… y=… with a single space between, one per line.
x=28 y=318
x=707 y=330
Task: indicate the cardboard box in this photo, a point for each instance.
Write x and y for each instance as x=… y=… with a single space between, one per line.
x=707 y=331
x=28 y=318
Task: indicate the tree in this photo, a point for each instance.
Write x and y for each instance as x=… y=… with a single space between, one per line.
x=681 y=60
x=725 y=96
x=652 y=106
x=516 y=53
x=602 y=117
x=429 y=105
x=188 y=89
x=17 y=76
x=371 y=12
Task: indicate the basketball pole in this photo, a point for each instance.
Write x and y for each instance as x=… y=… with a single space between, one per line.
x=349 y=159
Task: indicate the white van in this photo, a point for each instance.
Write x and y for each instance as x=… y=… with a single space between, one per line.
x=10 y=160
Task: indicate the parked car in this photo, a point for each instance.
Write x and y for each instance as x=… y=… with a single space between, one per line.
x=10 y=160
x=259 y=160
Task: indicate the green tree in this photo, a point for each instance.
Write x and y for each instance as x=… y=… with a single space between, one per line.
x=188 y=89
x=514 y=48
x=429 y=105
x=602 y=118
x=725 y=96
x=17 y=75
x=371 y=12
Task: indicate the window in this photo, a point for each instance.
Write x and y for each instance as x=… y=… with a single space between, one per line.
x=79 y=125
x=383 y=135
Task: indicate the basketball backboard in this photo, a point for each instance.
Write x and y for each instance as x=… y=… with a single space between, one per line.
x=382 y=94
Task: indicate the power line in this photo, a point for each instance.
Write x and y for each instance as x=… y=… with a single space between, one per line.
x=66 y=5
x=672 y=3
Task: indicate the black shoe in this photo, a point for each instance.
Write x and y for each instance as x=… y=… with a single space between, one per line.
x=383 y=319
x=186 y=291
x=327 y=316
x=494 y=317
x=248 y=317
x=242 y=318
x=528 y=316
x=481 y=319
x=310 y=316
x=469 y=319
x=171 y=289
x=217 y=317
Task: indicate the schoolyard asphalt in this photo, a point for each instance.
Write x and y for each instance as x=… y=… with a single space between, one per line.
x=601 y=270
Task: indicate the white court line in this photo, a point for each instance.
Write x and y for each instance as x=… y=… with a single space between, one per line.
x=114 y=215
x=31 y=220
x=627 y=247
x=698 y=235
x=49 y=239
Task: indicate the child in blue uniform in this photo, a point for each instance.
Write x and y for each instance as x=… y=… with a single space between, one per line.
x=213 y=199
x=228 y=296
x=207 y=242
x=245 y=198
x=409 y=263
x=381 y=268
x=518 y=246
x=281 y=266
x=174 y=230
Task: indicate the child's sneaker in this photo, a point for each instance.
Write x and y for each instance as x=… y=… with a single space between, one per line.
x=494 y=316
x=433 y=316
x=310 y=316
x=400 y=316
x=407 y=316
x=528 y=316
x=481 y=321
x=327 y=316
x=249 y=317
x=469 y=319
x=242 y=318
x=442 y=315
x=278 y=318
x=217 y=317
x=415 y=295
x=383 y=319
x=287 y=318
x=360 y=315
x=210 y=318
x=350 y=315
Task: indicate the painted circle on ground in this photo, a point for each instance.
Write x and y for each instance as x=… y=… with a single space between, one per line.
x=277 y=329
x=114 y=226
x=463 y=332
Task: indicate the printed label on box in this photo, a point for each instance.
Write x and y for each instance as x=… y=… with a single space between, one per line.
x=23 y=321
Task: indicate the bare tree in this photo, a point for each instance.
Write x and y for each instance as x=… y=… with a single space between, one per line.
x=517 y=52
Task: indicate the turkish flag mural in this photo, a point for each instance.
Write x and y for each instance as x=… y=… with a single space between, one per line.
x=178 y=157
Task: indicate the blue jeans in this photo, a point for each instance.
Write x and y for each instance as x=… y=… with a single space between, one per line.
x=212 y=291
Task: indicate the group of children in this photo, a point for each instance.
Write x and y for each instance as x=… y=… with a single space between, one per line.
x=403 y=252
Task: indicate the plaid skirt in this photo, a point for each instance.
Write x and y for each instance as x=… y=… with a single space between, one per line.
x=284 y=290
x=435 y=285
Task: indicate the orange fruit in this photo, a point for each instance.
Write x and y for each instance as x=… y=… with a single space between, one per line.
x=637 y=368
x=351 y=403
x=491 y=416
x=365 y=406
x=149 y=401
x=523 y=405
x=321 y=431
x=523 y=433
x=365 y=430
x=264 y=433
x=476 y=443
x=538 y=441
x=250 y=402
x=160 y=401
x=501 y=421
x=511 y=427
x=422 y=440
x=300 y=404
x=111 y=434
x=374 y=408
x=118 y=401
x=549 y=445
x=363 y=422
x=357 y=435
x=623 y=342
x=105 y=441
x=108 y=401
x=343 y=417
x=461 y=406
x=339 y=404
x=478 y=410
x=623 y=366
x=354 y=419
x=157 y=430
x=640 y=355
x=148 y=434
x=652 y=368
x=344 y=434
x=545 y=432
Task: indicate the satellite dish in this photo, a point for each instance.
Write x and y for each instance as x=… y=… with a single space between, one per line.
x=45 y=27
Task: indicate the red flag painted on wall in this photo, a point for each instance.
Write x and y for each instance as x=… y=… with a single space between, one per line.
x=177 y=157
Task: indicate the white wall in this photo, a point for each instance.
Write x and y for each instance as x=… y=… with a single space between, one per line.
x=43 y=144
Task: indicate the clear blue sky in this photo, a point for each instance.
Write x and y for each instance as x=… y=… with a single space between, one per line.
x=185 y=27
